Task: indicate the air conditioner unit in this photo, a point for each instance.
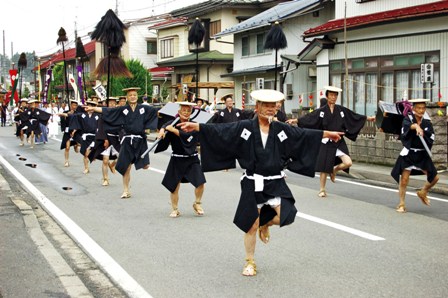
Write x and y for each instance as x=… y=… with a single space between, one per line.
x=312 y=72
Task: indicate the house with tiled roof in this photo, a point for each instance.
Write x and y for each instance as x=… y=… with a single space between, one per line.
x=254 y=66
x=385 y=51
x=215 y=57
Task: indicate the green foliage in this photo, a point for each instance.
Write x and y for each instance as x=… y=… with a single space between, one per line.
x=142 y=78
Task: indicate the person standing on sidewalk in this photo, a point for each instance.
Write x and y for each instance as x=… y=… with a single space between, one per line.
x=263 y=148
x=184 y=165
x=413 y=158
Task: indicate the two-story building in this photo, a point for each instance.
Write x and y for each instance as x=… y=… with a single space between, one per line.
x=215 y=57
x=254 y=66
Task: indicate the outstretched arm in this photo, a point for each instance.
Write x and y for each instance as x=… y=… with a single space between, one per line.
x=94 y=109
x=188 y=126
x=333 y=135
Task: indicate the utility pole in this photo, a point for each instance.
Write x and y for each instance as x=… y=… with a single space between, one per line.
x=3 y=66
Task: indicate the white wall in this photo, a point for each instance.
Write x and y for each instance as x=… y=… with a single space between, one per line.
x=355 y=9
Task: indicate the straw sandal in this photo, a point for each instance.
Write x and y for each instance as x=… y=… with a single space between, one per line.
x=263 y=234
x=422 y=195
x=198 y=209
x=250 y=269
x=175 y=213
x=105 y=182
x=126 y=195
x=401 y=209
x=322 y=193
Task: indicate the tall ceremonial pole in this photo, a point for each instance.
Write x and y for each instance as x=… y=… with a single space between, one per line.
x=196 y=36
x=22 y=63
x=275 y=40
x=61 y=39
x=110 y=31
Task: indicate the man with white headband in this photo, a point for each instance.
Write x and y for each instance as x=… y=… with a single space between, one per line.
x=264 y=148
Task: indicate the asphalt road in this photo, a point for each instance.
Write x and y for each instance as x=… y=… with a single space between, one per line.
x=351 y=244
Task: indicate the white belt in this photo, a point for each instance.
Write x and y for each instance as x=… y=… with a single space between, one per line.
x=32 y=120
x=84 y=135
x=132 y=138
x=259 y=179
x=112 y=135
x=405 y=151
x=180 y=155
x=417 y=149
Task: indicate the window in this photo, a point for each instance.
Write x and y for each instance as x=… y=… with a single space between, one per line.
x=260 y=43
x=245 y=46
x=388 y=78
x=215 y=27
x=167 y=48
x=151 y=47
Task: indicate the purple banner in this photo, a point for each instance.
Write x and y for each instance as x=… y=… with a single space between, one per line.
x=81 y=92
x=47 y=84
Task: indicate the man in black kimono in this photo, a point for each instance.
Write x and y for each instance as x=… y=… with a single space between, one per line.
x=134 y=119
x=107 y=145
x=184 y=165
x=87 y=124
x=413 y=159
x=333 y=156
x=264 y=148
x=229 y=113
x=70 y=137
x=31 y=118
x=23 y=106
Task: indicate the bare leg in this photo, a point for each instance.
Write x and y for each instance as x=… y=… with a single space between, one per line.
x=250 y=239
x=32 y=139
x=174 y=196
x=126 y=179
x=346 y=163
x=423 y=193
x=86 y=161
x=198 y=191
x=404 y=180
x=21 y=137
x=323 y=181
x=264 y=230
x=104 y=167
x=66 y=153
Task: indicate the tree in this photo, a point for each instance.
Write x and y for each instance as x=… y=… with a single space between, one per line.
x=140 y=78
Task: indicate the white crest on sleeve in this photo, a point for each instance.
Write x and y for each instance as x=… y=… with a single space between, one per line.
x=433 y=137
x=322 y=114
x=342 y=114
x=237 y=114
x=142 y=111
x=126 y=112
x=426 y=129
x=83 y=115
x=245 y=134
x=189 y=139
x=221 y=114
x=282 y=136
x=96 y=117
x=37 y=113
x=402 y=130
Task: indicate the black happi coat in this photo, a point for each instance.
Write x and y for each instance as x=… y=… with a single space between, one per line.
x=18 y=120
x=419 y=157
x=224 y=116
x=112 y=135
x=184 y=165
x=67 y=131
x=31 y=119
x=87 y=125
x=134 y=123
x=288 y=147
x=343 y=120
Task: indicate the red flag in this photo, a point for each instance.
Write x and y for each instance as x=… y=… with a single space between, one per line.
x=13 y=73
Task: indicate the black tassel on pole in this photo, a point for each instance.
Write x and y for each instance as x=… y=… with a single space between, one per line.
x=82 y=55
x=61 y=39
x=22 y=63
x=110 y=31
x=275 y=40
x=196 y=36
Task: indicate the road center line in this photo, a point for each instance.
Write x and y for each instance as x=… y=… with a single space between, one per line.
x=96 y=252
x=339 y=227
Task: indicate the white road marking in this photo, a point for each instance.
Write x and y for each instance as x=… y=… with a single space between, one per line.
x=389 y=189
x=339 y=227
x=96 y=252
x=322 y=221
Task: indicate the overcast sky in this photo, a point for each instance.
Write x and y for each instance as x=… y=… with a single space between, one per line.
x=31 y=25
